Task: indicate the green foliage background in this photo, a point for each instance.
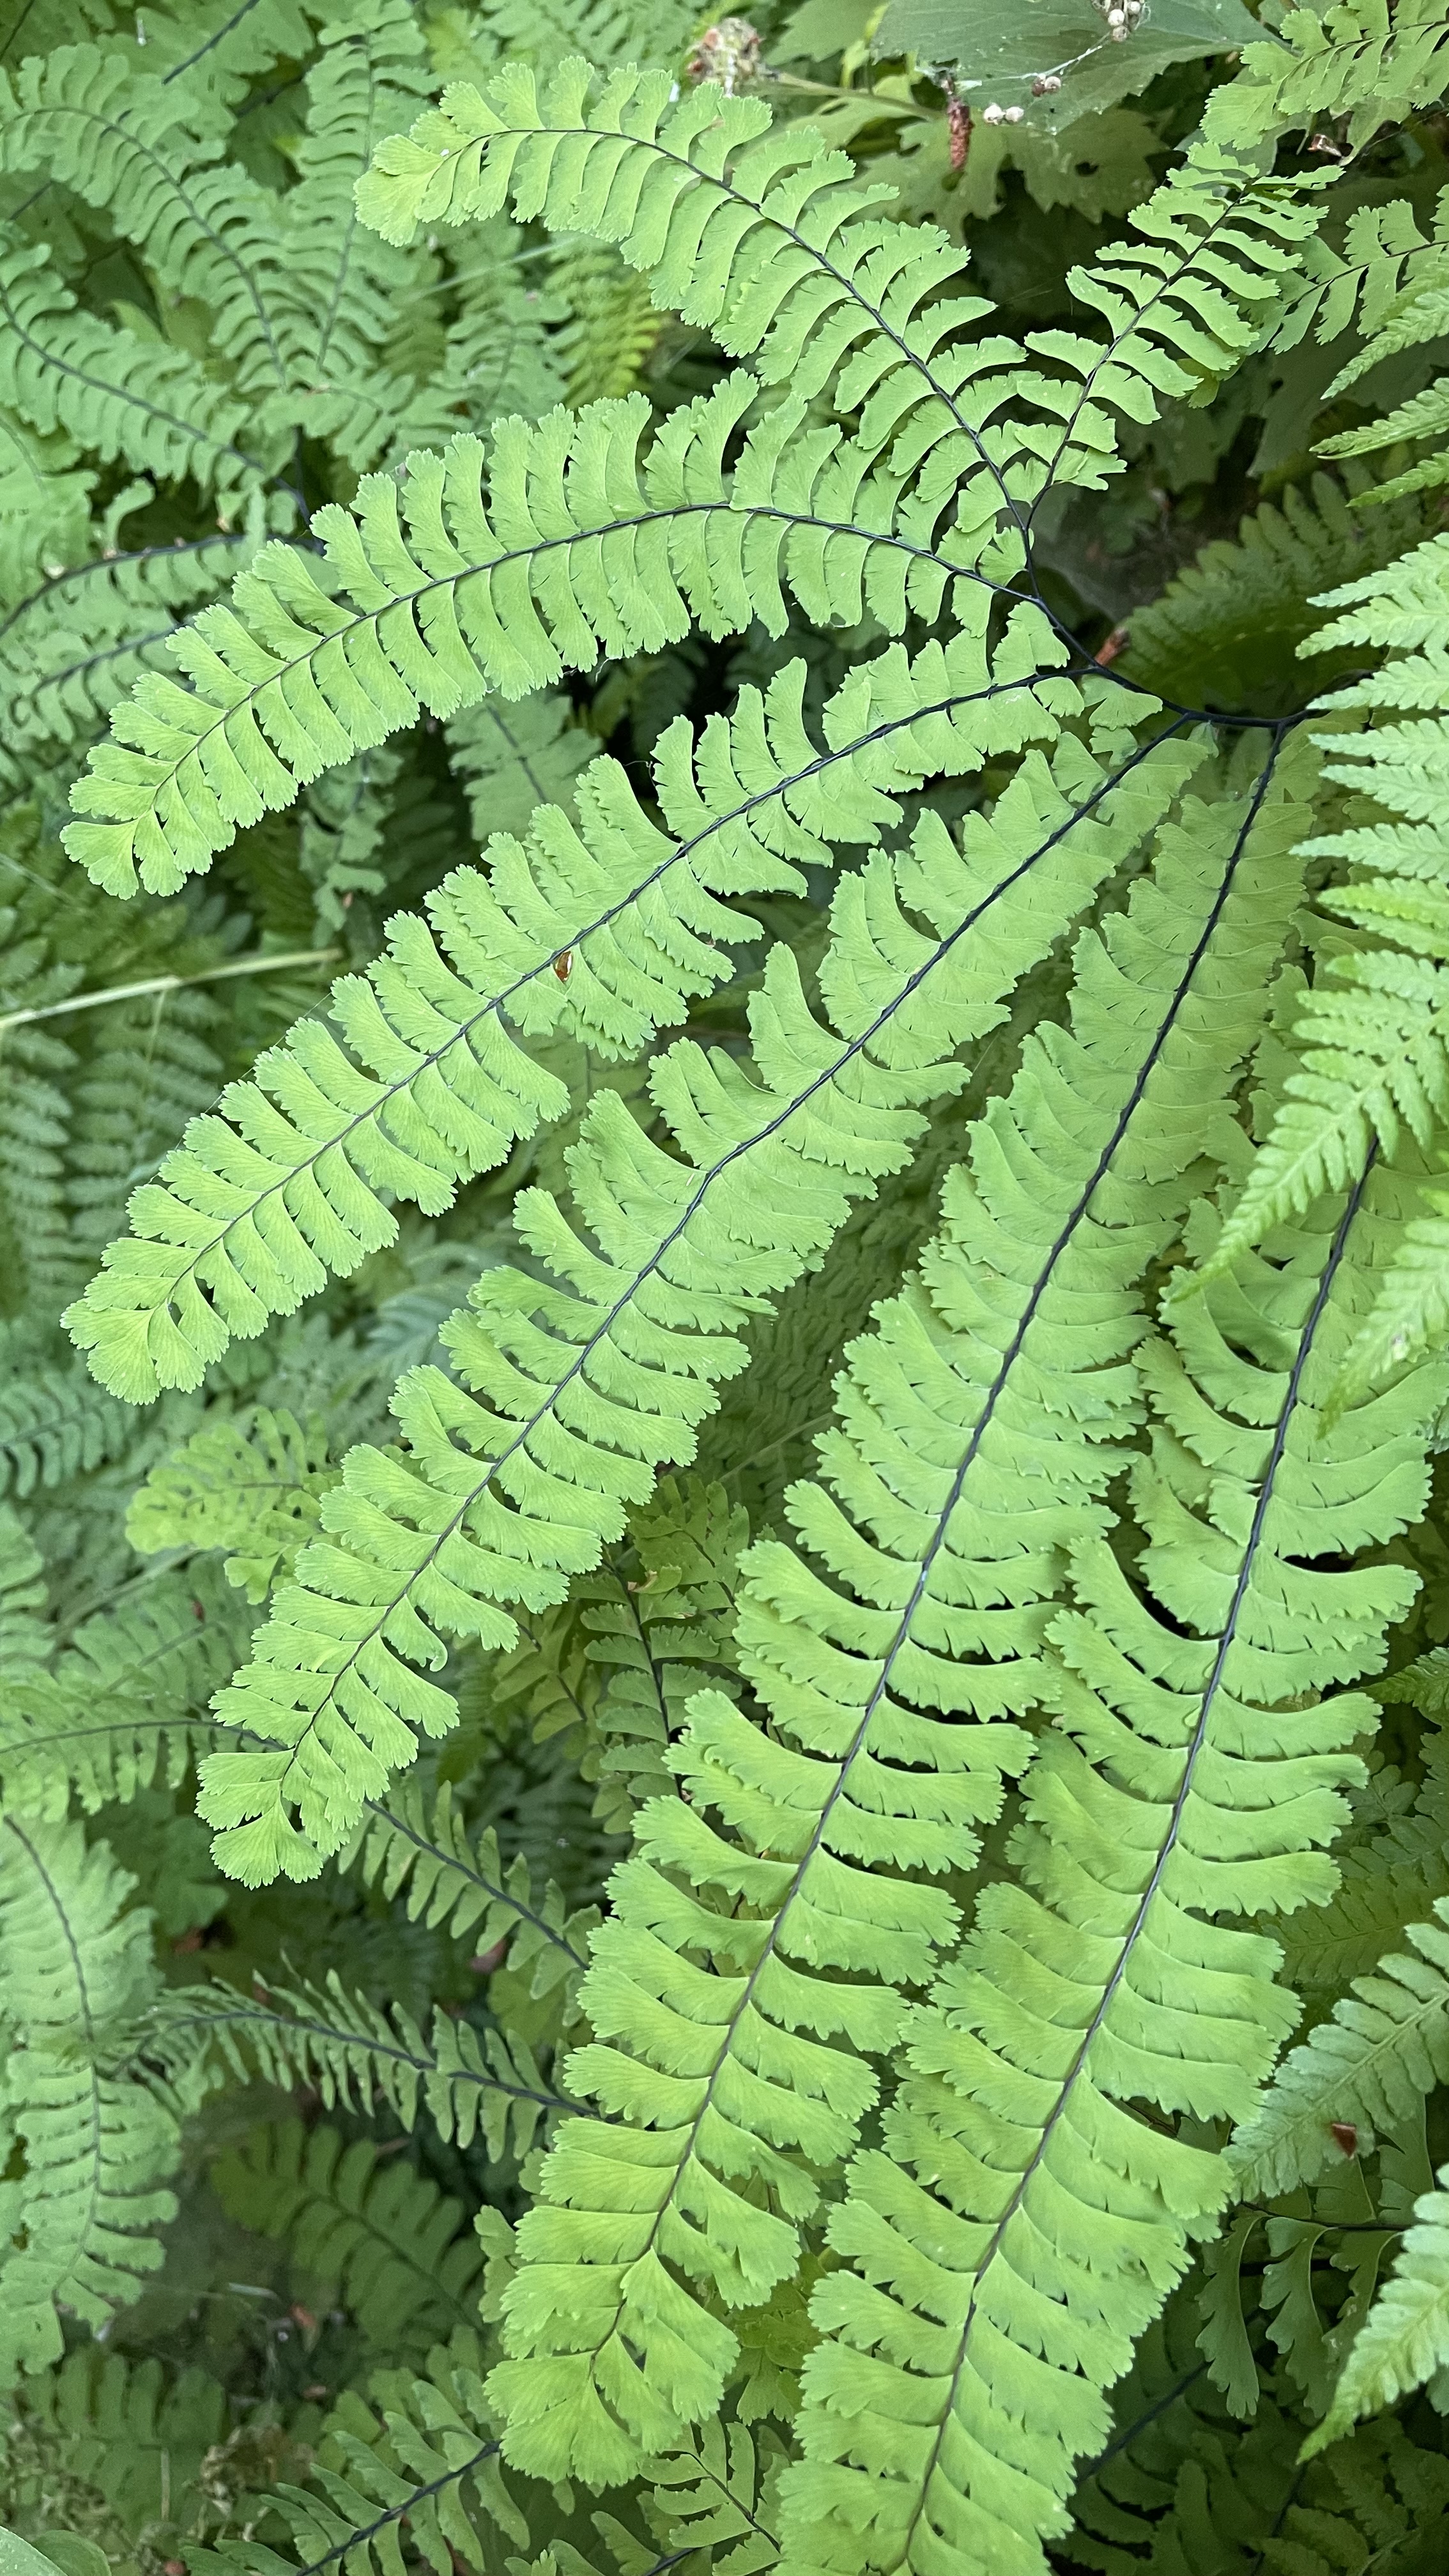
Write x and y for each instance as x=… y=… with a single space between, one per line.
x=724 y=1048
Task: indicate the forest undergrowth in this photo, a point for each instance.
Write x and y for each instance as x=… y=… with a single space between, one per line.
x=724 y=1288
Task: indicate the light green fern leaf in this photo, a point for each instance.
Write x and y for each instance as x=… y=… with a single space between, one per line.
x=582 y=547
x=1022 y=2224
x=979 y=1427
x=572 y=1390
x=602 y=933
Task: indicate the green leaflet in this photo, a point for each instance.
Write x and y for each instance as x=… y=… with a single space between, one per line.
x=515 y=758
x=1021 y=2224
x=658 y=1639
x=96 y=2149
x=601 y=932
x=576 y=1389
x=54 y=1421
x=979 y=1426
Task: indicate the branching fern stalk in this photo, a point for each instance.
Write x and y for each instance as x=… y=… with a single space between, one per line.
x=690 y=1628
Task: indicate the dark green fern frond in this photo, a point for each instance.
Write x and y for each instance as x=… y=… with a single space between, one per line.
x=75 y=644
x=25 y=1640
x=655 y=1638
x=124 y=2430
x=379 y=2238
x=136 y=401
x=460 y=1881
x=55 y=1423
x=614 y=323
x=1226 y=632
x=1388 y=1883
x=98 y=2148
x=470 y=2084
x=515 y=756
x=421 y=2457
x=125 y=1703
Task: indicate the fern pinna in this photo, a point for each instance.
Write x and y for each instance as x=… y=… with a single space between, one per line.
x=722 y=1187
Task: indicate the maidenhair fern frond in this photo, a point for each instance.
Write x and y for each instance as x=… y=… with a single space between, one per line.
x=469 y=2083
x=583 y=548
x=1385 y=2047
x=1023 y=2221
x=602 y=932
x=979 y=1427
x=1374 y=1032
x=576 y=1382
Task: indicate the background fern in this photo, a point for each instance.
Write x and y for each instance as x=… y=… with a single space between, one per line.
x=724 y=1606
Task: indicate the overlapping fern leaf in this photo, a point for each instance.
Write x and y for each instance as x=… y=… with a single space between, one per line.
x=569 y=1392
x=1048 y=2161
x=979 y=1427
x=1374 y=1064
x=601 y=931
x=581 y=546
